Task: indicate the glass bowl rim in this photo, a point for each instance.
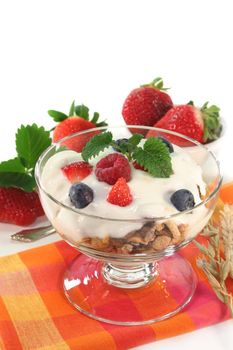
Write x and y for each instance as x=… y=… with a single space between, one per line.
x=159 y=218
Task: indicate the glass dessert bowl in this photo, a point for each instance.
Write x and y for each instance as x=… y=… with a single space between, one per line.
x=129 y=272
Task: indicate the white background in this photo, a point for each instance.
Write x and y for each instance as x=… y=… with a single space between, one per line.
x=52 y=52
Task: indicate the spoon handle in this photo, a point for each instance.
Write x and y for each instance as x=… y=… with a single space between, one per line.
x=33 y=234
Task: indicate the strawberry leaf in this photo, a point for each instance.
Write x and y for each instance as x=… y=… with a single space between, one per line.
x=97 y=144
x=72 y=109
x=12 y=165
x=212 y=122
x=157 y=83
x=95 y=118
x=17 y=179
x=31 y=141
x=82 y=111
x=57 y=116
x=154 y=157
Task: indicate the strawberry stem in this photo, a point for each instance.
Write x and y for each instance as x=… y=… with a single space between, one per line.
x=157 y=83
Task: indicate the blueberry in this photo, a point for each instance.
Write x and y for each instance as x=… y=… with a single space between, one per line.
x=81 y=195
x=120 y=142
x=182 y=200
x=167 y=143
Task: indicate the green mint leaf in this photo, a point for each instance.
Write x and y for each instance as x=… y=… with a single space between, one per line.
x=154 y=157
x=128 y=146
x=17 y=179
x=72 y=109
x=12 y=165
x=31 y=141
x=97 y=144
x=135 y=139
x=57 y=116
x=82 y=111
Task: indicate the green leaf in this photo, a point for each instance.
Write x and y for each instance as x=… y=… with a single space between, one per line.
x=212 y=122
x=95 y=118
x=82 y=111
x=154 y=157
x=135 y=139
x=17 y=179
x=97 y=144
x=157 y=83
x=12 y=165
x=72 y=109
x=57 y=116
x=31 y=141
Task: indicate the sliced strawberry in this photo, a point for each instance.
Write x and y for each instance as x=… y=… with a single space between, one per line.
x=19 y=207
x=76 y=172
x=120 y=193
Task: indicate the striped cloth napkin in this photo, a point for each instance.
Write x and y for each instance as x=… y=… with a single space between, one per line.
x=34 y=313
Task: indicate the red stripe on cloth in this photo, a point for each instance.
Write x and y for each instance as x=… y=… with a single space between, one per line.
x=205 y=308
x=130 y=336
x=9 y=336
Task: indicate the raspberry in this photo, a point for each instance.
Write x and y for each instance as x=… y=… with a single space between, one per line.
x=120 y=193
x=110 y=168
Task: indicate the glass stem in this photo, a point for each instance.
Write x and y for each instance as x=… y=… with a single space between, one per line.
x=129 y=276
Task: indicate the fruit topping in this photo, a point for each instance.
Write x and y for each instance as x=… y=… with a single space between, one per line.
x=152 y=155
x=137 y=166
x=110 y=168
x=120 y=193
x=182 y=200
x=167 y=143
x=76 y=172
x=146 y=104
x=81 y=195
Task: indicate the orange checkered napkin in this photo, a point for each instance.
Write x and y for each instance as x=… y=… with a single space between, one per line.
x=34 y=313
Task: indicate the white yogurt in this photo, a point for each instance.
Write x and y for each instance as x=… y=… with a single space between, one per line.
x=151 y=198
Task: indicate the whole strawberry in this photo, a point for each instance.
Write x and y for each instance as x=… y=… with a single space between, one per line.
x=19 y=201
x=76 y=121
x=146 y=104
x=202 y=124
x=19 y=207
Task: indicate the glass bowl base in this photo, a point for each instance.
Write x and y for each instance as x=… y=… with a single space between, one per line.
x=90 y=288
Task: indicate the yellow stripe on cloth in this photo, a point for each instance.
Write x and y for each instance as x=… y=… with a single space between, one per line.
x=28 y=312
x=11 y=263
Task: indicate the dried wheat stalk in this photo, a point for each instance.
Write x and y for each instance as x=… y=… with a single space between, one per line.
x=217 y=264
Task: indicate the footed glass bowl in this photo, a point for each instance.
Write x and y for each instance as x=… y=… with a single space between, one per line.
x=137 y=277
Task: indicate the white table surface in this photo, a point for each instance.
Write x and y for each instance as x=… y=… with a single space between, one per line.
x=97 y=51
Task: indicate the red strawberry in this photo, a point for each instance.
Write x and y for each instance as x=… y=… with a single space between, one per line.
x=110 y=168
x=76 y=172
x=19 y=207
x=202 y=124
x=78 y=120
x=146 y=105
x=120 y=193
